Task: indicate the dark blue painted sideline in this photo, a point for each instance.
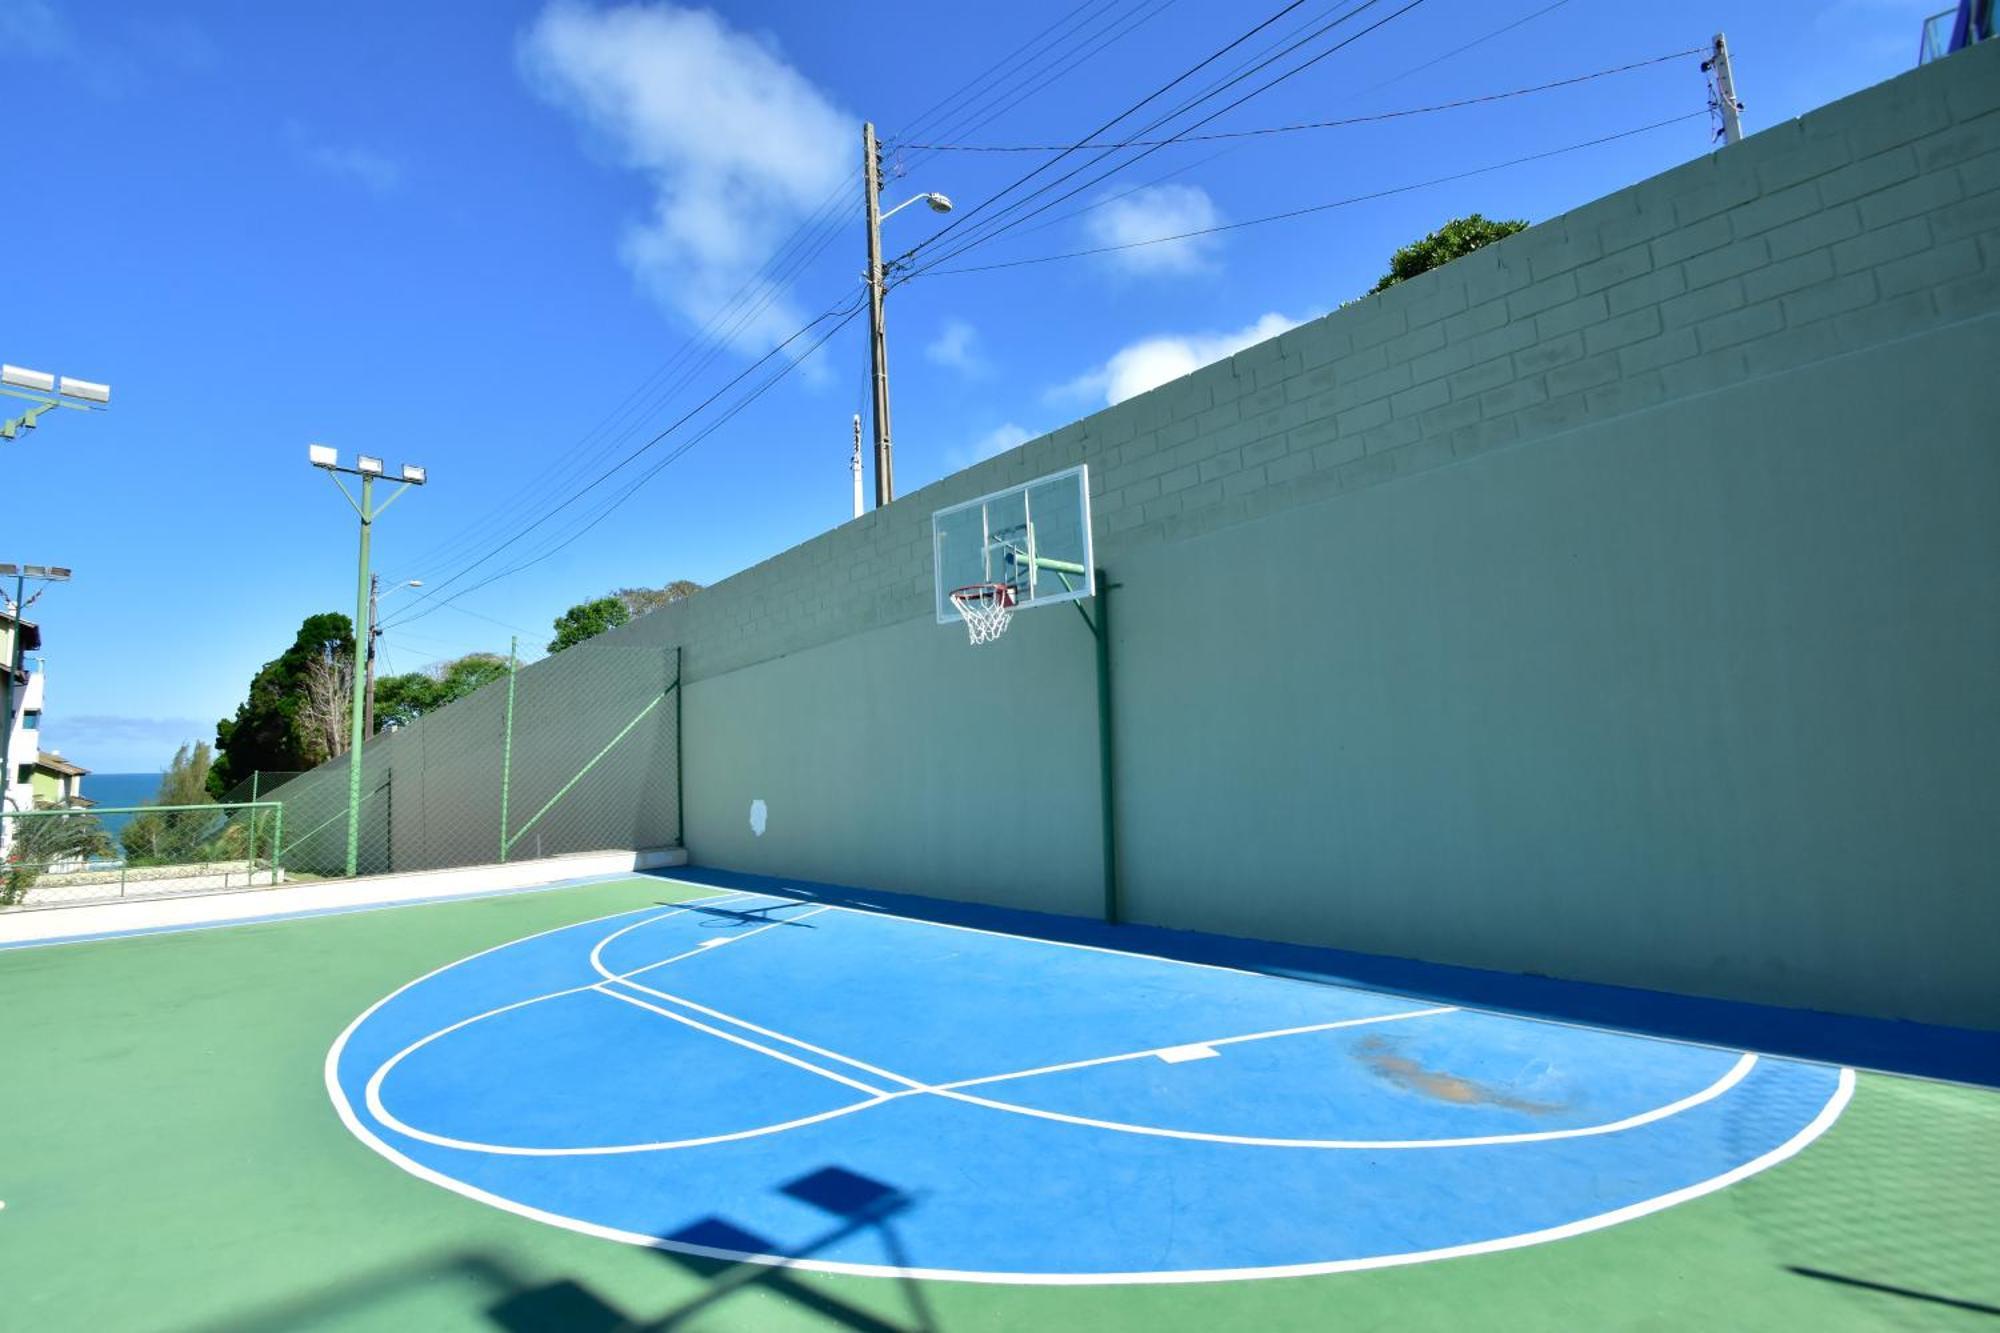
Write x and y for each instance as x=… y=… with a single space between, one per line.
x=1926 y=1051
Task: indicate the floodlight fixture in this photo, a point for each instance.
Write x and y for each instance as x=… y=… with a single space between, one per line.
x=412 y=474
x=323 y=455
x=9 y=571
x=27 y=379
x=368 y=467
x=938 y=203
x=88 y=390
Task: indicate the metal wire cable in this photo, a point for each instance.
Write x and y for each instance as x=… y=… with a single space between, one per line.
x=1321 y=208
x=1481 y=100
x=1003 y=226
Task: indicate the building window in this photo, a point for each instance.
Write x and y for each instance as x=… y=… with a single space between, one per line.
x=24 y=773
x=31 y=719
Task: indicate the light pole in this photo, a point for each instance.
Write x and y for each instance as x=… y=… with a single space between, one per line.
x=47 y=392
x=871 y=174
x=367 y=468
x=375 y=595
x=20 y=574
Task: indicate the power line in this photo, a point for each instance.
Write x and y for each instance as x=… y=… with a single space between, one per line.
x=1186 y=74
x=431 y=592
x=1007 y=78
x=1477 y=41
x=1186 y=167
x=1001 y=227
x=1322 y=124
x=1132 y=20
x=1321 y=208
x=664 y=384
x=640 y=482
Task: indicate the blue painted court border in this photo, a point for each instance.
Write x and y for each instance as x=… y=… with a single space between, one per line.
x=516 y=1085
x=1921 y=1050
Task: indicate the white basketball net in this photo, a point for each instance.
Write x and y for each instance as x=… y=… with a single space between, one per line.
x=986 y=608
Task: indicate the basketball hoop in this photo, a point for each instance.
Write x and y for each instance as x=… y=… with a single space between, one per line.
x=986 y=609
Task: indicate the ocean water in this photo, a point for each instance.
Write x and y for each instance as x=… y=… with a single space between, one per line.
x=120 y=789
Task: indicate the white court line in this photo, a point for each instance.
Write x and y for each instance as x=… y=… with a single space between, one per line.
x=1824 y=1120
x=373 y=1092
x=1736 y=1074
x=1167 y=1052
x=744 y=1042
x=864 y=910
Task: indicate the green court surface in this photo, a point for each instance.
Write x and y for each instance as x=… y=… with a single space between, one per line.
x=170 y=1159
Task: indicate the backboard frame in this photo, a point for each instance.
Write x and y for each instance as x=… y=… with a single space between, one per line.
x=1018 y=548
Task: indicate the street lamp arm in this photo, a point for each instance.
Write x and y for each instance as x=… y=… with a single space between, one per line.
x=938 y=203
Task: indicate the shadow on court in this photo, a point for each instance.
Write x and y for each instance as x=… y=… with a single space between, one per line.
x=750 y=918
x=517 y=1302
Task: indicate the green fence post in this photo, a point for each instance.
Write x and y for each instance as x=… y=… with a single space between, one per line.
x=277 y=843
x=680 y=785
x=507 y=741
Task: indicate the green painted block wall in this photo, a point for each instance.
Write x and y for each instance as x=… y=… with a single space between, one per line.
x=1618 y=602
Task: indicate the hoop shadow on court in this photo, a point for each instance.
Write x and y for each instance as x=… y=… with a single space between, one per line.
x=517 y=1303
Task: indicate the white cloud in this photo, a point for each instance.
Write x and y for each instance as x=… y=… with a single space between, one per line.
x=737 y=145
x=1151 y=362
x=375 y=172
x=1150 y=214
x=957 y=346
x=994 y=442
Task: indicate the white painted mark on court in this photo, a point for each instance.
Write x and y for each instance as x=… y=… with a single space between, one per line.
x=1180 y=1055
x=710 y=944
x=760 y=815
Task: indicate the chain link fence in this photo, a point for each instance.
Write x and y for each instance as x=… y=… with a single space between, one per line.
x=75 y=854
x=578 y=752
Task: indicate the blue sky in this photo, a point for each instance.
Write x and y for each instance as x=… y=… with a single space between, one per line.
x=473 y=235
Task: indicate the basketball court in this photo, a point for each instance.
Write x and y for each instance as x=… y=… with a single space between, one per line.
x=998 y=1108
x=701 y=1098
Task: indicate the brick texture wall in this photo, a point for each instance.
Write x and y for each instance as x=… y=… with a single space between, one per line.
x=1869 y=220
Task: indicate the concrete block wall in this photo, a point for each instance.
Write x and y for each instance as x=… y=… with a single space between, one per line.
x=1871 y=219
x=1560 y=506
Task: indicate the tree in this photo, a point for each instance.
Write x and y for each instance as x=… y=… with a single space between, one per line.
x=587 y=620
x=172 y=836
x=325 y=718
x=401 y=700
x=264 y=734
x=639 y=601
x=49 y=840
x=1460 y=236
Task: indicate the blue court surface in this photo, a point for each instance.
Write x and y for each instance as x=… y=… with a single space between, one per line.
x=758 y=1076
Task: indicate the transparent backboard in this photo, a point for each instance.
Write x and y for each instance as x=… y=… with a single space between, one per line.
x=1034 y=538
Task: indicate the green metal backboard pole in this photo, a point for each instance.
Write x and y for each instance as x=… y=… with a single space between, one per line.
x=1107 y=784
x=507 y=741
x=680 y=799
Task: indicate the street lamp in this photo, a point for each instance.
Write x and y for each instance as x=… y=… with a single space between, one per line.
x=20 y=574
x=47 y=392
x=878 y=350
x=375 y=595
x=326 y=458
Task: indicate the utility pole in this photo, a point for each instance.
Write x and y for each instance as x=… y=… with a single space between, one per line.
x=368 y=688
x=854 y=465
x=878 y=350
x=368 y=469
x=1725 y=90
